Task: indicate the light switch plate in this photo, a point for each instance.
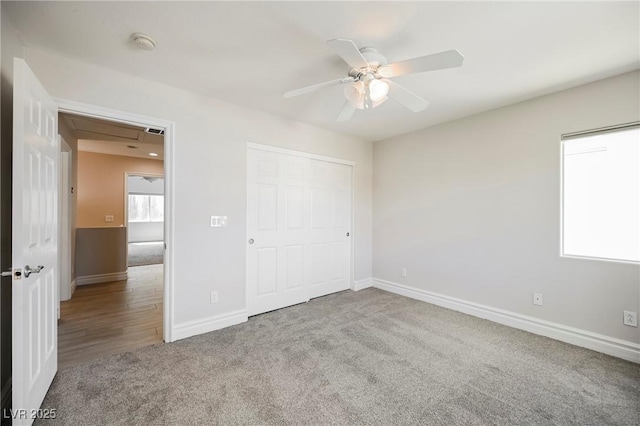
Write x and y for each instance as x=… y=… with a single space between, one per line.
x=218 y=221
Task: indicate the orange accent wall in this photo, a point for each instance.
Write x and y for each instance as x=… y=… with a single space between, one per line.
x=101 y=186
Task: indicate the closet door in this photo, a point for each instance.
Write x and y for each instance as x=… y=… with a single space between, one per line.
x=277 y=228
x=330 y=233
x=298 y=218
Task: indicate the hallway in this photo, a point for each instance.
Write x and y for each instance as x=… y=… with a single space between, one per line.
x=110 y=318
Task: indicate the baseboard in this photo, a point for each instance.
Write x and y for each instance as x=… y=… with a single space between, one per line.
x=192 y=328
x=74 y=284
x=611 y=346
x=101 y=278
x=362 y=284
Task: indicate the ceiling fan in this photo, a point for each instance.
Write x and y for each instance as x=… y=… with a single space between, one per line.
x=368 y=84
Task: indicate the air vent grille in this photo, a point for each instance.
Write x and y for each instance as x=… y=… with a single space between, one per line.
x=154 y=131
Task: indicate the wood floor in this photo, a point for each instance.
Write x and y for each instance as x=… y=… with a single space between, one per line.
x=109 y=318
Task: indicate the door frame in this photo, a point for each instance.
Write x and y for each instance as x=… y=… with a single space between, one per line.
x=93 y=111
x=279 y=150
x=65 y=211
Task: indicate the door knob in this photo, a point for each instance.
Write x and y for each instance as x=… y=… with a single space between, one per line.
x=250 y=240
x=28 y=270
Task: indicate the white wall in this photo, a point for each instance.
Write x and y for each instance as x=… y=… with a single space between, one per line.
x=472 y=209
x=210 y=173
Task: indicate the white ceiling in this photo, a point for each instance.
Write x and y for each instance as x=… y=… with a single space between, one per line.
x=250 y=53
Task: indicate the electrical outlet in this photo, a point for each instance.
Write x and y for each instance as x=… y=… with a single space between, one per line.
x=537 y=299
x=630 y=318
x=108 y=218
x=403 y=272
x=214 y=297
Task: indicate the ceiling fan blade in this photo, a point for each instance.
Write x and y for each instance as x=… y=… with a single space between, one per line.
x=346 y=112
x=309 y=89
x=348 y=51
x=437 y=61
x=407 y=98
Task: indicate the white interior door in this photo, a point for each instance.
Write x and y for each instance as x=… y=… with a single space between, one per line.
x=298 y=220
x=34 y=243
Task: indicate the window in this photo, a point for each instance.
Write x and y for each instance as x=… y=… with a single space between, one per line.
x=146 y=208
x=601 y=194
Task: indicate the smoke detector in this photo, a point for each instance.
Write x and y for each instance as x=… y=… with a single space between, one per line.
x=143 y=41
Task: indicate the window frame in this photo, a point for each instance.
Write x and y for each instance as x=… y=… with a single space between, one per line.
x=574 y=135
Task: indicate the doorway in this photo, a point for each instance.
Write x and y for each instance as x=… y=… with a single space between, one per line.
x=115 y=307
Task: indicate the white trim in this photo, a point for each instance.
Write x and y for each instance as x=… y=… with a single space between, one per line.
x=601 y=259
x=586 y=339
x=74 y=284
x=101 y=278
x=362 y=284
x=206 y=325
x=352 y=231
x=561 y=195
x=65 y=224
x=600 y=130
x=93 y=111
x=169 y=214
x=271 y=148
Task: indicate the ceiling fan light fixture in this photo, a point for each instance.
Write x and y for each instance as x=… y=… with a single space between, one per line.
x=378 y=90
x=355 y=94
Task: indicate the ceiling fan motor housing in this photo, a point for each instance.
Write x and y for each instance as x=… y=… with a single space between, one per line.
x=373 y=57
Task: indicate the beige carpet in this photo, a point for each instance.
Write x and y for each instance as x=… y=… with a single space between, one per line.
x=369 y=358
